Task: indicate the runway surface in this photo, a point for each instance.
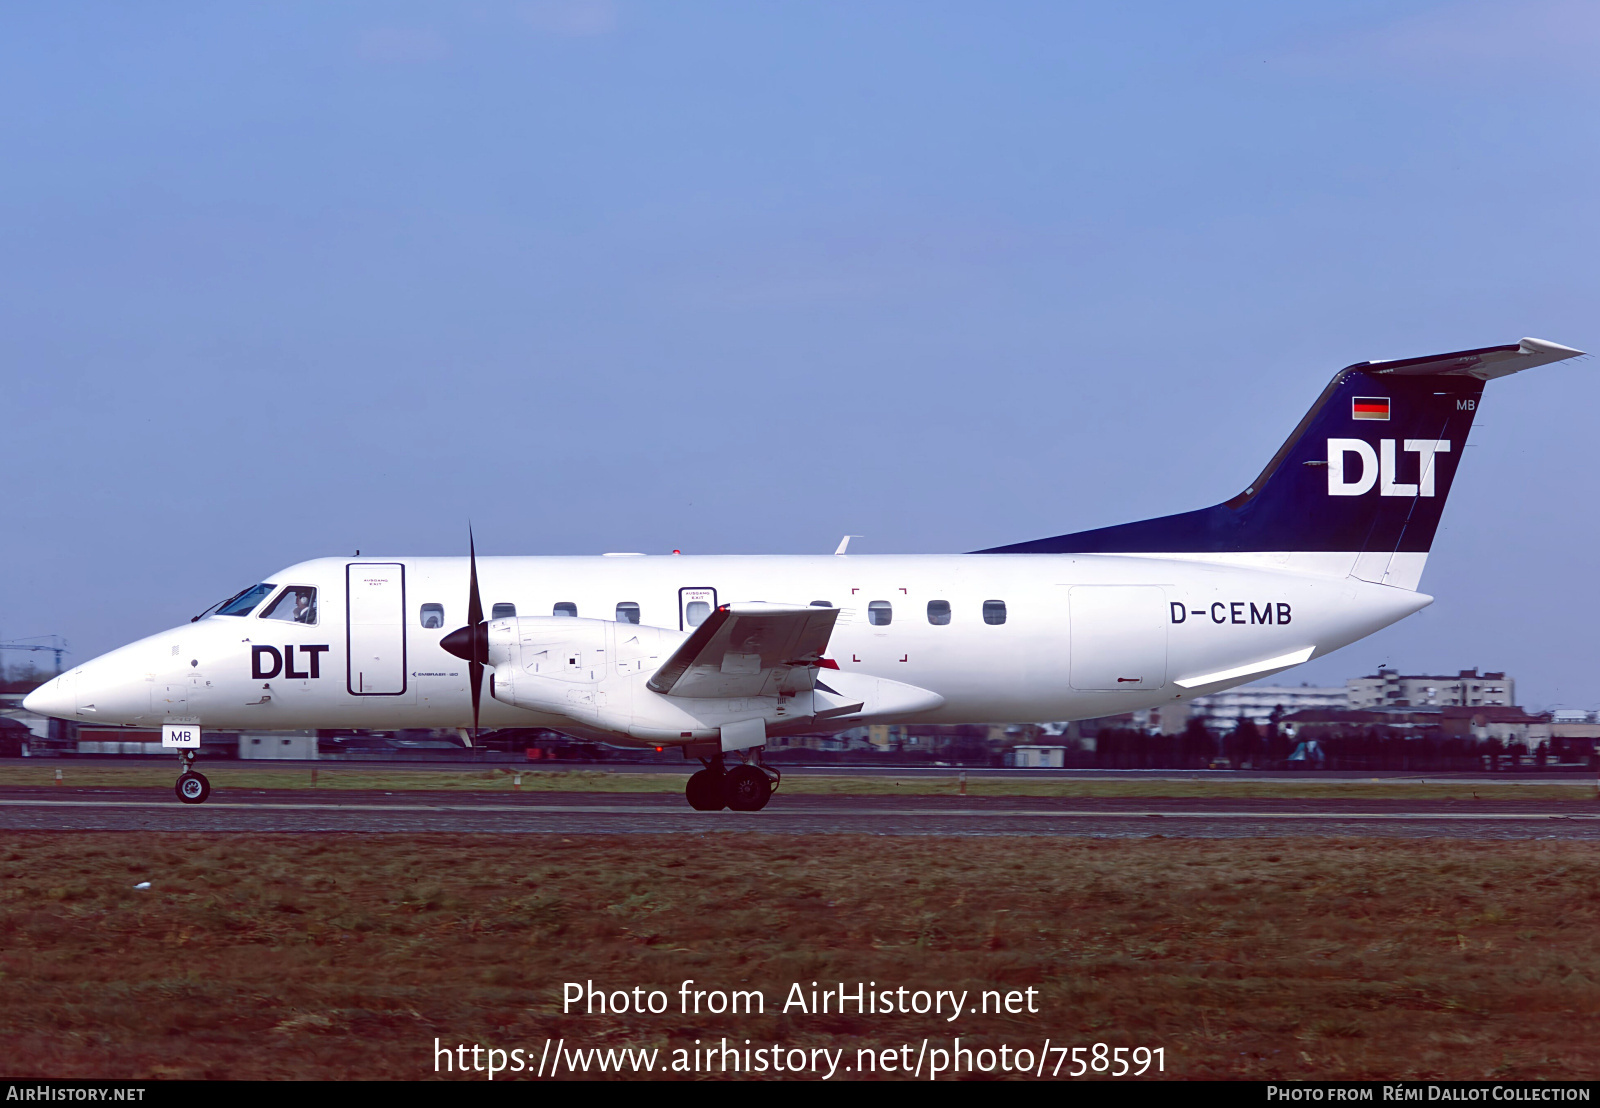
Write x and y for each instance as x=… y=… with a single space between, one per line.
x=1307 y=779
x=300 y=811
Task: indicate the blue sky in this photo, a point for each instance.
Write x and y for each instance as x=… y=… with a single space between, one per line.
x=280 y=280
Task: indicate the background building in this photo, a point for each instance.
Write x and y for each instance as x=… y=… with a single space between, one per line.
x=1224 y=710
x=1468 y=689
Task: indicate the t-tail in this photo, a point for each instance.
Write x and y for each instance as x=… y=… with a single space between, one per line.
x=1358 y=487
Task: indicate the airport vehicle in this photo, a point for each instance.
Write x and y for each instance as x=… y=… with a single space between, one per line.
x=719 y=654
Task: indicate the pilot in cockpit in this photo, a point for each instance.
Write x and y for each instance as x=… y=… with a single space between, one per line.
x=297 y=603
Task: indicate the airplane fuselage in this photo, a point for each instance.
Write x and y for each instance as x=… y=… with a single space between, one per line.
x=988 y=638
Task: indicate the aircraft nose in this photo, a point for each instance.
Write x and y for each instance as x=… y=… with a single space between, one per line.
x=53 y=698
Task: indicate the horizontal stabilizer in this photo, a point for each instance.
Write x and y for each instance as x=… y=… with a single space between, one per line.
x=1485 y=363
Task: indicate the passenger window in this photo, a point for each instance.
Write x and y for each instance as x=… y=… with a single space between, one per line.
x=821 y=604
x=504 y=611
x=879 y=613
x=994 y=611
x=298 y=603
x=938 y=612
x=565 y=608
x=627 y=612
x=242 y=604
x=433 y=616
x=695 y=612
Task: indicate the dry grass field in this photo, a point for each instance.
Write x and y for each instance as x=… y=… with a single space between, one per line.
x=345 y=956
x=356 y=777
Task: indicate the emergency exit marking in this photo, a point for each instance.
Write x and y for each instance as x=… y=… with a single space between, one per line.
x=182 y=736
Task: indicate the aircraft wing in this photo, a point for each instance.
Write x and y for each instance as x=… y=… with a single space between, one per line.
x=747 y=650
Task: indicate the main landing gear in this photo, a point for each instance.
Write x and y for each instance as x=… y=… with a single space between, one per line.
x=744 y=788
x=191 y=787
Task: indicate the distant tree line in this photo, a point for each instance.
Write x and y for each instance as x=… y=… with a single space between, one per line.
x=1337 y=748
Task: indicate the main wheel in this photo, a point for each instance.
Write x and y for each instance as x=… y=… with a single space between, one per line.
x=704 y=791
x=746 y=789
x=192 y=787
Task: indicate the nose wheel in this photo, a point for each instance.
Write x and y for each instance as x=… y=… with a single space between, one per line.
x=191 y=787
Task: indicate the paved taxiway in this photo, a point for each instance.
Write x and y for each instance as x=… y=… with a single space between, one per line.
x=110 y=809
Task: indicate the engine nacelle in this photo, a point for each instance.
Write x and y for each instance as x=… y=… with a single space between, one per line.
x=594 y=672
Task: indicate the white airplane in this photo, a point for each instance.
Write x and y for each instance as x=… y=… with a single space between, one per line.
x=719 y=654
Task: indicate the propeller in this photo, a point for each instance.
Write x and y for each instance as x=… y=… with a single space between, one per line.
x=471 y=643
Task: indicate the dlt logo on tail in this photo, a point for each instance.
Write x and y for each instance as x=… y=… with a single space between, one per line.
x=1378 y=466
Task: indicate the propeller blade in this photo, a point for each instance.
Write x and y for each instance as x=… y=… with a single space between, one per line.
x=475 y=676
x=480 y=633
x=474 y=601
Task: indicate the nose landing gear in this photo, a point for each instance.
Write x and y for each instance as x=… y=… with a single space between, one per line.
x=744 y=788
x=191 y=787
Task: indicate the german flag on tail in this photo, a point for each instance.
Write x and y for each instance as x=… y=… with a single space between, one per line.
x=1369 y=407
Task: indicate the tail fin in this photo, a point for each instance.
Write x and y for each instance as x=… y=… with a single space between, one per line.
x=1358 y=487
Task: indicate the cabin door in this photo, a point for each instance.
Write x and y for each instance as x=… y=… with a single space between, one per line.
x=375 y=628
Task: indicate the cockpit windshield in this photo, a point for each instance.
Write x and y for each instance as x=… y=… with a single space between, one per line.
x=242 y=604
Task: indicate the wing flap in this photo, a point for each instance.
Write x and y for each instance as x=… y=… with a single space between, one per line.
x=746 y=650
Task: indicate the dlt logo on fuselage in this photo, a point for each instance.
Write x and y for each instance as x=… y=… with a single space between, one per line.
x=266 y=662
x=1378 y=466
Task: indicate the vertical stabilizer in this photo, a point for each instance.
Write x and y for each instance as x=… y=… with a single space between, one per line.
x=1358 y=488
